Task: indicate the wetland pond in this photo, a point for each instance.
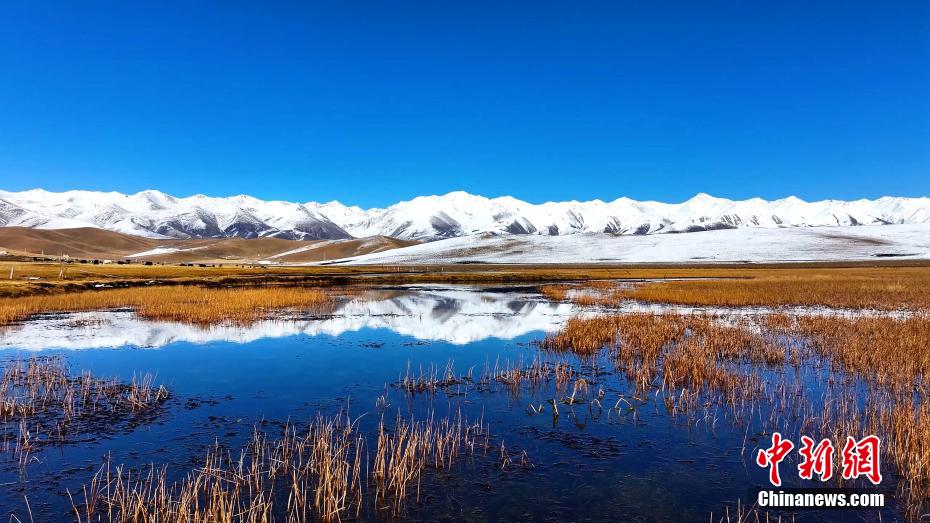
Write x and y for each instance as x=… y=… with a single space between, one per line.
x=416 y=353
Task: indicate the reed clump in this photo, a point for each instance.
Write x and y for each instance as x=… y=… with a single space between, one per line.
x=198 y=305
x=410 y=448
x=515 y=376
x=41 y=403
x=591 y=293
x=584 y=336
x=905 y=426
x=889 y=351
x=301 y=476
x=874 y=369
x=431 y=379
x=889 y=354
x=554 y=292
x=694 y=364
x=902 y=420
x=689 y=351
x=325 y=472
x=539 y=372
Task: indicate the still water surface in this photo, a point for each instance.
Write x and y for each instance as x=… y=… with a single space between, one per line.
x=638 y=463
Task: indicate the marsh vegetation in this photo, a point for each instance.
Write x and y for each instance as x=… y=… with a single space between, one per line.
x=42 y=404
x=388 y=422
x=874 y=375
x=200 y=305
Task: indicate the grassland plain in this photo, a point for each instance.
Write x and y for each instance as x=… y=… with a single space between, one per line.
x=21 y=278
x=854 y=287
x=55 y=287
x=90 y=243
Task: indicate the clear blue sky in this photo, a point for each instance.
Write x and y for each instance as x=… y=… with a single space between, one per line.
x=372 y=102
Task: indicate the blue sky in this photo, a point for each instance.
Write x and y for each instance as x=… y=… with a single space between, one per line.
x=373 y=102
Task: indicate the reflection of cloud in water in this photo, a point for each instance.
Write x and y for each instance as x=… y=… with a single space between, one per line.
x=453 y=315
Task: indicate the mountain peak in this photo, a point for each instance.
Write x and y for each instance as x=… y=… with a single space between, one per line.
x=456 y=213
x=703 y=197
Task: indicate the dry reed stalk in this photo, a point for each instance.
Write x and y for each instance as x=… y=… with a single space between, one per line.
x=889 y=351
x=690 y=351
x=882 y=361
x=317 y=474
x=41 y=403
x=537 y=373
x=555 y=292
x=431 y=379
x=300 y=477
x=404 y=453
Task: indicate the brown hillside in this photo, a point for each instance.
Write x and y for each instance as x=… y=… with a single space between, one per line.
x=101 y=244
x=85 y=242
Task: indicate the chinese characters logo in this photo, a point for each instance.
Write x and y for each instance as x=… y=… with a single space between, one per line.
x=859 y=458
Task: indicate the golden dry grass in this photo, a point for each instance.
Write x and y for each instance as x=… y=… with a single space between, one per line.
x=689 y=356
x=554 y=292
x=430 y=379
x=690 y=351
x=28 y=387
x=183 y=304
x=585 y=335
x=885 y=286
x=906 y=429
x=857 y=288
x=889 y=351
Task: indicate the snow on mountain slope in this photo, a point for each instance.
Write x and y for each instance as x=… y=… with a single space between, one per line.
x=155 y=214
x=458 y=214
x=736 y=245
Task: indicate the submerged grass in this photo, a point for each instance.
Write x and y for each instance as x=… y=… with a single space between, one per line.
x=316 y=473
x=41 y=403
x=325 y=472
x=183 y=304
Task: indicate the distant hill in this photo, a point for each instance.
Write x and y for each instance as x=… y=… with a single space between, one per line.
x=93 y=243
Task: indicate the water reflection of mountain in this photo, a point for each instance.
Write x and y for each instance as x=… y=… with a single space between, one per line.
x=457 y=316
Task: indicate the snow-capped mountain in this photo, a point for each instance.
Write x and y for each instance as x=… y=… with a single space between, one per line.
x=158 y=215
x=155 y=214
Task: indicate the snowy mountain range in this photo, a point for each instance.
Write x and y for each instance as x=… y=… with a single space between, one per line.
x=158 y=215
